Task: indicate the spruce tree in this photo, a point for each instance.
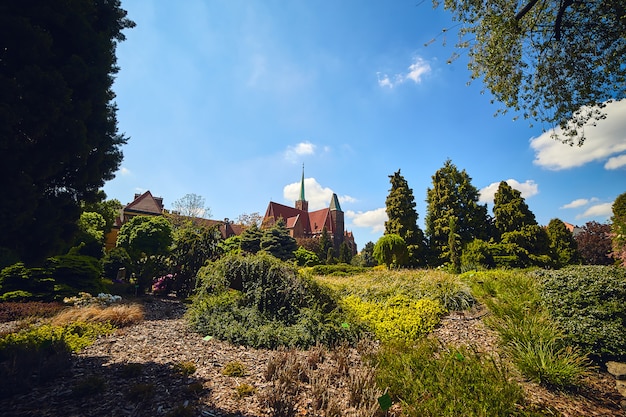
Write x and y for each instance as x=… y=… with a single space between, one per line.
x=510 y=210
x=278 y=242
x=251 y=239
x=453 y=195
x=402 y=218
x=325 y=244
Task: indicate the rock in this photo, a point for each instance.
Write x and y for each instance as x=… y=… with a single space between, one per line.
x=617 y=369
x=621 y=387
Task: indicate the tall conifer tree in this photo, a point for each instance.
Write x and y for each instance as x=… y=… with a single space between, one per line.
x=453 y=195
x=402 y=218
x=510 y=210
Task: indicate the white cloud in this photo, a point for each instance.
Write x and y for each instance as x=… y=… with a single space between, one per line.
x=616 y=162
x=317 y=196
x=604 y=140
x=373 y=219
x=124 y=171
x=416 y=71
x=581 y=202
x=599 y=210
x=303 y=148
x=527 y=188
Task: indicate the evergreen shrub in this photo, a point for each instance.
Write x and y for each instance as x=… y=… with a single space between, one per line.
x=588 y=304
x=261 y=301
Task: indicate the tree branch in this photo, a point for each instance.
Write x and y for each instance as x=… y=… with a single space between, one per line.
x=559 y=18
x=525 y=9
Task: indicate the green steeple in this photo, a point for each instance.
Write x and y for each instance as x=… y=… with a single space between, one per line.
x=302 y=186
x=334 y=203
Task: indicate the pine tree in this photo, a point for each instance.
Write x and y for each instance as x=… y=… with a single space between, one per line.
x=402 y=218
x=453 y=195
x=278 y=242
x=251 y=239
x=510 y=210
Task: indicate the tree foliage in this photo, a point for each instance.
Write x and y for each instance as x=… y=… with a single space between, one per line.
x=251 y=239
x=277 y=241
x=594 y=243
x=453 y=195
x=510 y=210
x=58 y=126
x=618 y=228
x=192 y=206
x=563 y=247
x=145 y=236
x=402 y=218
x=391 y=250
x=557 y=62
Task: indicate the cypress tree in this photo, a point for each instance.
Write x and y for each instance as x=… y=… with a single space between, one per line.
x=563 y=248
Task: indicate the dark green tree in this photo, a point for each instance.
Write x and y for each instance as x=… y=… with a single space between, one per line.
x=402 y=218
x=325 y=243
x=277 y=241
x=594 y=243
x=58 y=127
x=251 y=239
x=108 y=209
x=306 y=257
x=454 y=246
x=367 y=254
x=192 y=247
x=145 y=236
x=531 y=243
x=563 y=248
x=345 y=253
x=510 y=210
x=391 y=250
x=453 y=195
x=554 y=61
x=618 y=228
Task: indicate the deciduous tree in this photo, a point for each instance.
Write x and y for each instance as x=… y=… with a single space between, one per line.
x=557 y=62
x=594 y=243
x=59 y=140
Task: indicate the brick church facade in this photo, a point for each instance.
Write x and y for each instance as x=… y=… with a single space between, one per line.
x=303 y=223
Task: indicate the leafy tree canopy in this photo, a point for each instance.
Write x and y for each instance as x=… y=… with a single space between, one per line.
x=58 y=126
x=594 y=243
x=557 y=62
x=146 y=236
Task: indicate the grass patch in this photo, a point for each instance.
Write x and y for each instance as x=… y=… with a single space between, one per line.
x=530 y=337
x=429 y=381
x=117 y=315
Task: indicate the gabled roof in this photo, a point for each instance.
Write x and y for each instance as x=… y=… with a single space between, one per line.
x=146 y=203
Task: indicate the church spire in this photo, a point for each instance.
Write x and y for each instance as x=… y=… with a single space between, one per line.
x=302 y=185
x=302 y=204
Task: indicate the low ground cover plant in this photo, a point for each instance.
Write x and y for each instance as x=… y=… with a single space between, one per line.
x=589 y=304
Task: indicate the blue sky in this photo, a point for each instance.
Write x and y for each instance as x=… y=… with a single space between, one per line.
x=228 y=99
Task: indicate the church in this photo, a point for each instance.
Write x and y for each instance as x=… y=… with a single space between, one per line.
x=302 y=223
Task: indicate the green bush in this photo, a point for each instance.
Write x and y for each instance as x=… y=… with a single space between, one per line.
x=260 y=301
x=587 y=302
x=75 y=273
x=115 y=259
x=18 y=283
